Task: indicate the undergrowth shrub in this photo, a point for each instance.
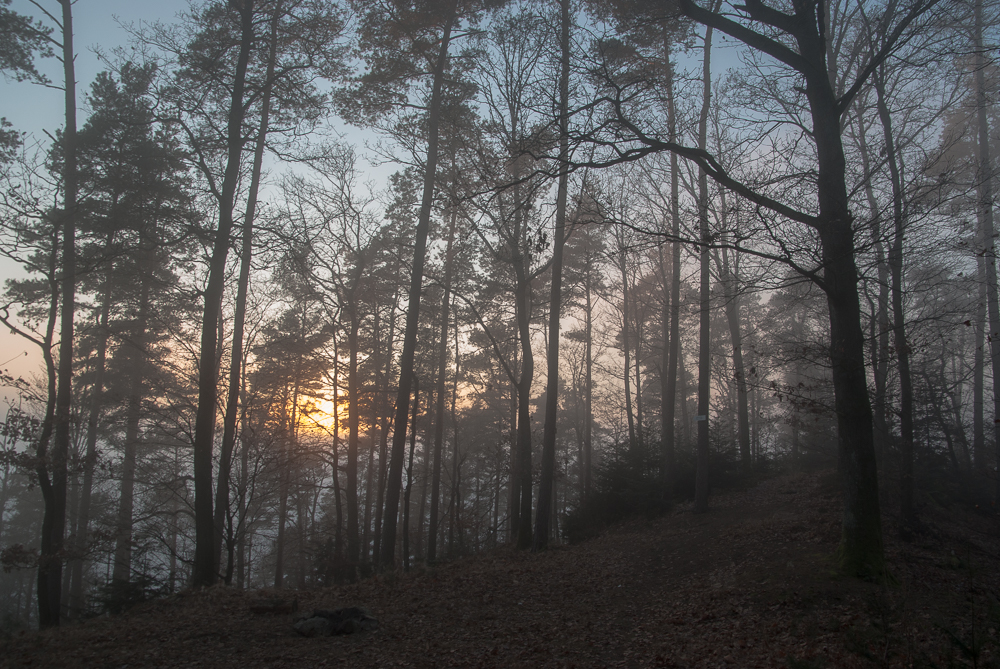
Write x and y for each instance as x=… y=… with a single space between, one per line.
x=626 y=485
x=629 y=484
x=115 y=597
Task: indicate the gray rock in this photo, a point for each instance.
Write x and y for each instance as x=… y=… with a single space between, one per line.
x=315 y=626
x=348 y=620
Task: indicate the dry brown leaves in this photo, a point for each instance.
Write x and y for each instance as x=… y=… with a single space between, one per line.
x=749 y=584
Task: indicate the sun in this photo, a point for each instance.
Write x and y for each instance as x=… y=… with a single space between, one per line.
x=318 y=414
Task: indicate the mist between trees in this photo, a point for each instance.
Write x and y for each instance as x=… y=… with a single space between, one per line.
x=263 y=368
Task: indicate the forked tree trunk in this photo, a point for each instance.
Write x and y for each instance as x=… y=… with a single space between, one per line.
x=204 y=573
x=52 y=479
x=861 y=549
x=387 y=540
x=239 y=317
x=546 y=488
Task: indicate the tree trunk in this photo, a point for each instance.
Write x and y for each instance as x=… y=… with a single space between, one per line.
x=353 y=390
x=588 y=425
x=338 y=542
x=684 y=390
x=984 y=179
x=239 y=317
x=432 y=524
x=279 y=542
x=121 y=574
x=366 y=523
x=383 y=446
x=669 y=407
x=955 y=396
x=387 y=534
x=302 y=527
x=546 y=488
x=409 y=477
x=244 y=482
x=54 y=488
x=666 y=458
x=978 y=384
x=522 y=473
x=204 y=573
x=704 y=350
x=425 y=479
x=907 y=515
x=730 y=281
x=639 y=315
x=626 y=337
x=455 y=541
x=286 y=442
x=76 y=599
x=880 y=321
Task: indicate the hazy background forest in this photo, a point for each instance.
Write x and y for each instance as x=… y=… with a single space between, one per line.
x=315 y=288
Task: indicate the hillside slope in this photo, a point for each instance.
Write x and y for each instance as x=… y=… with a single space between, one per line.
x=749 y=584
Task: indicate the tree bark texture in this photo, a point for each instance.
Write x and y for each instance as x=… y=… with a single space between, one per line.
x=387 y=535
x=53 y=473
x=432 y=524
x=242 y=288
x=547 y=485
x=907 y=515
x=861 y=548
x=701 y=483
x=204 y=573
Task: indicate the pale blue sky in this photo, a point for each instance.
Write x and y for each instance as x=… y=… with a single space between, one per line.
x=36 y=109
x=33 y=108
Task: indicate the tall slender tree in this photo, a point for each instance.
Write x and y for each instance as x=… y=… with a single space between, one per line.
x=205 y=562
x=796 y=38
x=52 y=467
x=704 y=313
x=546 y=486
x=418 y=27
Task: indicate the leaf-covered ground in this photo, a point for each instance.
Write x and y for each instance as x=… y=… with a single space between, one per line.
x=749 y=584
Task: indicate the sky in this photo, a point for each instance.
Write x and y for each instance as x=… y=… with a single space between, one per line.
x=96 y=24
x=35 y=109
x=99 y=25
x=38 y=110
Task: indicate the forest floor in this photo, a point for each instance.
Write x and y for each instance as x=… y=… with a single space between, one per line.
x=751 y=583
